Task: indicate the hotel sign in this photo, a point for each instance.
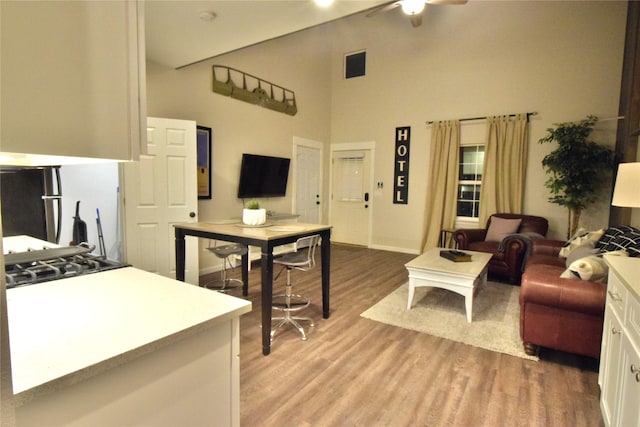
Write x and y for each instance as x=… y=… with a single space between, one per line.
x=401 y=168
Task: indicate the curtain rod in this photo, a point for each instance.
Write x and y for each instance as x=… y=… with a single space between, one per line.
x=533 y=113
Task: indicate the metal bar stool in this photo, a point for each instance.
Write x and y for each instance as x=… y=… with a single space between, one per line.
x=303 y=259
x=225 y=284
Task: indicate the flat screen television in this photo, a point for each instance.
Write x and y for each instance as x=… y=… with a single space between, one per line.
x=263 y=176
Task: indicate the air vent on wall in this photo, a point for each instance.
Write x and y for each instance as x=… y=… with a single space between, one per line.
x=355 y=64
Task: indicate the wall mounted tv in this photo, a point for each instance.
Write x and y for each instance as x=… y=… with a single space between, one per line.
x=263 y=176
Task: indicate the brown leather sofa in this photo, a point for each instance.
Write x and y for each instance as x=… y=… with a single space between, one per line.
x=507 y=256
x=558 y=313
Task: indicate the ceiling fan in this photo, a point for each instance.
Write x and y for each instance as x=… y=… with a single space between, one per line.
x=413 y=8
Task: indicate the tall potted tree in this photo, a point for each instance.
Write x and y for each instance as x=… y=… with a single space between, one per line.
x=576 y=168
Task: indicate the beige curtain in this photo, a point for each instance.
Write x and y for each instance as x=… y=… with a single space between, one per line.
x=442 y=190
x=505 y=162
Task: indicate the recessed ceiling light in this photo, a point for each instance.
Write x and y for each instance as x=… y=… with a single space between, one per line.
x=207 y=15
x=323 y=3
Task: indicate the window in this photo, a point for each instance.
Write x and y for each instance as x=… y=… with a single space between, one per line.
x=350 y=171
x=355 y=64
x=470 y=180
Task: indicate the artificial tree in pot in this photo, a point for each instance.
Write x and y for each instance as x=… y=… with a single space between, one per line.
x=577 y=168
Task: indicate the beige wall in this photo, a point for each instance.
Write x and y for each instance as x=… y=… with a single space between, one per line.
x=299 y=62
x=560 y=59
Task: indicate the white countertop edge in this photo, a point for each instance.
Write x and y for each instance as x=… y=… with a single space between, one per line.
x=28 y=395
x=158 y=322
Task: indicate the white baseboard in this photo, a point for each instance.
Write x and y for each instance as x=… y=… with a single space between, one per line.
x=396 y=249
x=211 y=269
x=254 y=256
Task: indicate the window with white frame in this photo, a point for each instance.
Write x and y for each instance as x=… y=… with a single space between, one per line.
x=469 y=181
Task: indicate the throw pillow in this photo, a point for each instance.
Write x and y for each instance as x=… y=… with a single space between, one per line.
x=629 y=241
x=610 y=234
x=499 y=228
x=582 y=251
x=582 y=236
x=592 y=268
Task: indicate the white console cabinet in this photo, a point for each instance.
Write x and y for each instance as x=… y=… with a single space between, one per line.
x=619 y=376
x=73 y=78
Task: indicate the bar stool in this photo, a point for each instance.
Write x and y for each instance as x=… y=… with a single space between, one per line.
x=303 y=259
x=225 y=284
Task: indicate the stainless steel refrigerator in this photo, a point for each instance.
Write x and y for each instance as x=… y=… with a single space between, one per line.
x=31 y=202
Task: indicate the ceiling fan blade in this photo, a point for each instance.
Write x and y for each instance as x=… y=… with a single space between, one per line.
x=384 y=8
x=416 y=20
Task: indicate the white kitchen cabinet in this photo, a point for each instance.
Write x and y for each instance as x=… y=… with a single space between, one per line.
x=124 y=347
x=610 y=364
x=620 y=358
x=629 y=405
x=73 y=78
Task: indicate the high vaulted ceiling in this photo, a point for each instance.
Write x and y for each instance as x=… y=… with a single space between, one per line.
x=177 y=34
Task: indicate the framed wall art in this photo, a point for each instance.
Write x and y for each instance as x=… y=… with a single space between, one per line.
x=204 y=161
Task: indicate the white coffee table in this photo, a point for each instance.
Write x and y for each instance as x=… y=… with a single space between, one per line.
x=430 y=269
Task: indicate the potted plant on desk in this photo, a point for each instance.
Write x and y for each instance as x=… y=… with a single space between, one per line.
x=253 y=214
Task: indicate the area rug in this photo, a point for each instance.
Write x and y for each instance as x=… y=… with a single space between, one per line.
x=438 y=312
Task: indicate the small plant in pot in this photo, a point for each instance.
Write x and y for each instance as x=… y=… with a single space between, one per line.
x=253 y=214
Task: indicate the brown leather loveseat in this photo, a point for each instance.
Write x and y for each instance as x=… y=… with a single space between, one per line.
x=567 y=313
x=508 y=253
x=560 y=313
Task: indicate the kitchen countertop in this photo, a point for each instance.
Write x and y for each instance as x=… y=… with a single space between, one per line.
x=65 y=330
x=627 y=269
x=24 y=243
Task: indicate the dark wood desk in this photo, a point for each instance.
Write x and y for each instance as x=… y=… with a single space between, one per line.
x=266 y=238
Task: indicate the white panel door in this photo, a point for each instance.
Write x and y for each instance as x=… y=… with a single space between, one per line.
x=308 y=180
x=161 y=190
x=351 y=196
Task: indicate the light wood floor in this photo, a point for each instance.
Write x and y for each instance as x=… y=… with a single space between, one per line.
x=354 y=371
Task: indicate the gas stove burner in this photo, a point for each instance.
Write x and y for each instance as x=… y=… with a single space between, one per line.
x=26 y=268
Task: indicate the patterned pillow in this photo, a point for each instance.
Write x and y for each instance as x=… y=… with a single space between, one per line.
x=629 y=241
x=610 y=235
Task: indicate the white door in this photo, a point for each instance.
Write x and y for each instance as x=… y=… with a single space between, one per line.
x=351 y=196
x=161 y=190
x=308 y=180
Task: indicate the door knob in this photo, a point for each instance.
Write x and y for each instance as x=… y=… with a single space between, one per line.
x=317 y=203
x=192 y=214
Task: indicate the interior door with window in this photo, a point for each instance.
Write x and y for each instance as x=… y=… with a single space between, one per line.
x=351 y=196
x=161 y=190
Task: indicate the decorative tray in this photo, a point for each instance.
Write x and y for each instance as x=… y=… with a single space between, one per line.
x=455 y=256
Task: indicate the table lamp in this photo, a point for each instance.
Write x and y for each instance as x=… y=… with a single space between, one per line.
x=627 y=190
